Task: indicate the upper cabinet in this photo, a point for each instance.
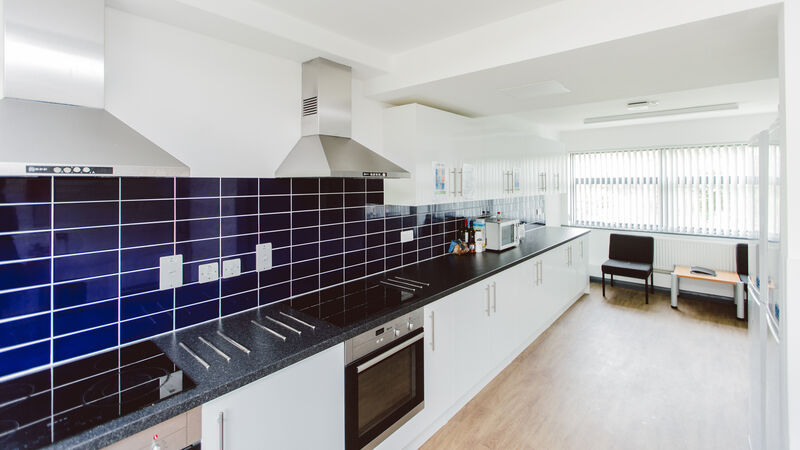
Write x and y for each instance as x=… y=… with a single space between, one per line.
x=456 y=158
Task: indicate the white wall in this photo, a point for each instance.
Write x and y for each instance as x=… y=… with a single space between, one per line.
x=223 y=109
x=2 y=48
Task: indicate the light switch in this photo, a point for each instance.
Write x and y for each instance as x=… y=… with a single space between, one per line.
x=264 y=256
x=208 y=272
x=406 y=235
x=231 y=268
x=170 y=272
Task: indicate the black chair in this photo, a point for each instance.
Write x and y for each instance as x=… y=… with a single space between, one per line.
x=741 y=265
x=630 y=256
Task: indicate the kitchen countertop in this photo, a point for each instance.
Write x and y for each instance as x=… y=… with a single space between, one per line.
x=446 y=275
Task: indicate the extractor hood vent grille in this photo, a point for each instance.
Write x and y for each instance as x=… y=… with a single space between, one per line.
x=309 y=106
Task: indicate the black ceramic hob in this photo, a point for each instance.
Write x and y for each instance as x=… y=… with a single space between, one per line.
x=55 y=403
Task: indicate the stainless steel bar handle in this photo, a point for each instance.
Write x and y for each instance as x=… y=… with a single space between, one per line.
x=221 y=424
x=362 y=367
x=461 y=182
x=488 y=301
x=433 y=331
x=541 y=272
x=494 y=292
x=453 y=178
x=544 y=177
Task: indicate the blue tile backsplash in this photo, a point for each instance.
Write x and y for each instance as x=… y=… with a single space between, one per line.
x=79 y=256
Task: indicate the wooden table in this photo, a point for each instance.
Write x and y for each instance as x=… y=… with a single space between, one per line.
x=722 y=277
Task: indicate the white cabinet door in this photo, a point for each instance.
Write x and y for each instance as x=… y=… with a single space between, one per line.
x=439 y=356
x=299 y=407
x=472 y=350
x=510 y=298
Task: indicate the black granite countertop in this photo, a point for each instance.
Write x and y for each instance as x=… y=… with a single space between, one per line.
x=269 y=354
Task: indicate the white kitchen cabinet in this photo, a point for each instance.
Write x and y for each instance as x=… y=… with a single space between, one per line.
x=439 y=355
x=299 y=407
x=471 y=330
x=508 y=315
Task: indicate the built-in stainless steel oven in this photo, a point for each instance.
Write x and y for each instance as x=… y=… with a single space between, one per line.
x=384 y=380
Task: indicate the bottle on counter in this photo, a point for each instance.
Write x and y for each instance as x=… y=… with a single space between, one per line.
x=480 y=229
x=465 y=232
x=471 y=239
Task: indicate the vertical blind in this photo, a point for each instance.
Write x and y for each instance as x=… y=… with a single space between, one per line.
x=710 y=189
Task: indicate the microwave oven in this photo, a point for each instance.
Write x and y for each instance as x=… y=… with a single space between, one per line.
x=501 y=234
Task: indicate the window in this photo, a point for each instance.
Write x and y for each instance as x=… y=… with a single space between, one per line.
x=708 y=189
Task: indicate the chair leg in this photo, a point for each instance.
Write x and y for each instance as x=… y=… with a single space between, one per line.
x=646 y=292
x=652 y=285
x=604 y=284
x=612 y=279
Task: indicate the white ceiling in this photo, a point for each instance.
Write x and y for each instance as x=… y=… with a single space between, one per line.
x=402 y=25
x=724 y=51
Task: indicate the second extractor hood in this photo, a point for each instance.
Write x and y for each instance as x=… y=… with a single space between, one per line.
x=326 y=148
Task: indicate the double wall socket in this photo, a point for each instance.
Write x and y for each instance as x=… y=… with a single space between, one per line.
x=231 y=268
x=208 y=272
x=170 y=272
x=406 y=235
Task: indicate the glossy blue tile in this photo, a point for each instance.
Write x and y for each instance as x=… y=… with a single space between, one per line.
x=304 y=269
x=281 y=256
x=393 y=262
x=392 y=236
x=354 y=243
x=190 y=230
x=144 y=304
x=144 y=327
x=331 y=231
x=438 y=250
x=275 y=275
x=305 y=185
x=375 y=198
x=330 y=216
x=85 y=266
x=276 y=293
x=148 y=211
x=330 y=201
x=20 y=331
x=275 y=204
x=423 y=242
x=239 y=302
x=374 y=226
x=437 y=239
x=354 y=185
x=375 y=184
x=375 y=267
x=24 y=189
x=147 y=188
x=355 y=229
x=84 y=317
x=24 y=246
x=394 y=249
x=82 y=343
x=136 y=282
x=242 y=283
x=327 y=248
x=239 y=186
x=305 y=219
x=355 y=272
x=197 y=187
x=354 y=214
x=409 y=258
x=28 y=301
x=409 y=246
x=354 y=199
x=239 y=244
x=394 y=223
x=331 y=278
x=72 y=215
x=303 y=252
x=305 y=202
x=276 y=238
x=195 y=314
x=331 y=185
x=331 y=263
x=196 y=293
x=198 y=208
x=353 y=258
x=78 y=189
x=409 y=221
x=147 y=234
x=24 y=358
x=375 y=239
x=375 y=253
x=274 y=222
x=274 y=186
x=85 y=291
x=239 y=225
x=437 y=228
x=144 y=257
x=85 y=240
x=21 y=274
x=24 y=218
x=423 y=254
x=303 y=285
x=305 y=235
x=198 y=250
x=375 y=212
x=238 y=206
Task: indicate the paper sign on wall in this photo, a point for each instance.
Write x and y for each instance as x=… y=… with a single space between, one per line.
x=439 y=179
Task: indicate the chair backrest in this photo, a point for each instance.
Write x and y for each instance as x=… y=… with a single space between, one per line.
x=741 y=259
x=625 y=247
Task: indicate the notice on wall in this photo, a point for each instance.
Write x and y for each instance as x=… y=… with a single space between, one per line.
x=439 y=179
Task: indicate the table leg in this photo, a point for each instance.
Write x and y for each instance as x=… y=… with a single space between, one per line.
x=674 y=291
x=738 y=297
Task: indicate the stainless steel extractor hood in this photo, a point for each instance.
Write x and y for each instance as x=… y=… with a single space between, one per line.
x=326 y=148
x=53 y=119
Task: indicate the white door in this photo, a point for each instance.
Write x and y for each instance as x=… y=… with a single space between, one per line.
x=472 y=349
x=439 y=356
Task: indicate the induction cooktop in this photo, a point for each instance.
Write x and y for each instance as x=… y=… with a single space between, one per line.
x=55 y=403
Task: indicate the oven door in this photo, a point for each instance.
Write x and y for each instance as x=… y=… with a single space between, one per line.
x=383 y=390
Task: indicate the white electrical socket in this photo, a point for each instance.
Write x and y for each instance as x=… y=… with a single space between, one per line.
x=170 y=272
x=406 y=235
x=264 y=256
x=231 y=268
x=208 y=272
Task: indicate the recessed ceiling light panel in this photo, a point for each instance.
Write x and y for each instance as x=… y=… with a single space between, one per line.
x=538 y=89
x=665 y=112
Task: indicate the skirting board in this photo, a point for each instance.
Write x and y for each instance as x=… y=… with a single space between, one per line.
x=681 y=293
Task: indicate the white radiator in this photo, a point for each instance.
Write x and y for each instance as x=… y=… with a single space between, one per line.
x=670 y=252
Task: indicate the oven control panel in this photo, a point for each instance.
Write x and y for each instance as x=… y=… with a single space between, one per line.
x=369 y=341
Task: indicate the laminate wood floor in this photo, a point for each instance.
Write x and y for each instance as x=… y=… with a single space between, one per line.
x=615 y=373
